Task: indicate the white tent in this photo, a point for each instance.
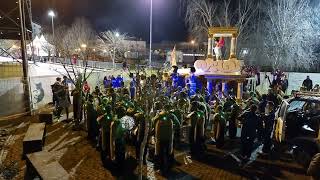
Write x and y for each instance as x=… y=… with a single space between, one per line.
x=40 y=47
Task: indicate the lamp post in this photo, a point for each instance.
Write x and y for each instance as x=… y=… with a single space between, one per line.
x=114 y=50
x=52 y=15
x=193 y=42
x=85 y=55
x=150 y=46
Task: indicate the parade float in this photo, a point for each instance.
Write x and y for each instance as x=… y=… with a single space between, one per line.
x=228 y=73
x=215 y=69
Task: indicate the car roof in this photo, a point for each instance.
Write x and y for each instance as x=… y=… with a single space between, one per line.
x=306 y=98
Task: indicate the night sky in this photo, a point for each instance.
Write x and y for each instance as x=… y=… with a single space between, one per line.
x=130 y=16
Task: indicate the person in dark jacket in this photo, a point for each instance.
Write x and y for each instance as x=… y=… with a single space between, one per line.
x=235 y=111
x=77 y=106
x=307 y=83
x=249 y=130
x=269 y=118
x=261 y=109
x=263 y=103
x=92 y=116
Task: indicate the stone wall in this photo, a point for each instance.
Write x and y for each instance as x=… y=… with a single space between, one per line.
x=11 y=89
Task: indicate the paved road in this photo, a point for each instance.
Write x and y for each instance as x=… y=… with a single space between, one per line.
x=81 y=159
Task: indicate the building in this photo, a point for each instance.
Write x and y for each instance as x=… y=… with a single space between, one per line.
x=186 y=52
x=136 y=48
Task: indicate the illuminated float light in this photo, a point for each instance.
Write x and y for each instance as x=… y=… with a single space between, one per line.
x=200 y=55
x=184 y=71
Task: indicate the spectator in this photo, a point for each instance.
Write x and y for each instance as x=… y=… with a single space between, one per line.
x=65 y=81
x=316 y=88
x=106 y=82
x=77 y=106
x=55 y=88
x=249 y=131
x=314 y=167
x=285 y=84
x=86 y=87
x=263 y=104
x=64 y=101
x=307 y=83
x=269 y=117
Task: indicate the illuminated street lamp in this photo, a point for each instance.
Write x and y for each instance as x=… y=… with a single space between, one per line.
x=193 y=42
x=83 y=46
x=150 y=45
x=52 y=15
x=15 y=47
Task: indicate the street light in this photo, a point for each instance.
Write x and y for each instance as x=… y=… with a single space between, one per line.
x=193 y=42
x=150 y=51
x=114 y=51
x=52 y=15
x=83 y=46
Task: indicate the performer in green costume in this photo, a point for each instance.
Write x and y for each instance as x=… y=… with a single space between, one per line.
x=219 y=124
x=164 y=125
x=105 y=120
x=197 y=133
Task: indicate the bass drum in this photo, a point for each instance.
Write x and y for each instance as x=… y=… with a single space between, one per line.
x=127 y=123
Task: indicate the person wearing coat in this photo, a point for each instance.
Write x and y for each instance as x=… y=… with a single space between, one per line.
x=250 y=124
x=269 y=119
x=314 y=167
x=219 y=125
x=307 y=83
x=235 y=111
x=92 y=115
x=63 y=101
x=197 y=119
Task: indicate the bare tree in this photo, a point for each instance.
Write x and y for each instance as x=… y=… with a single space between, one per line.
x=290 y=33
x=202 y=14
x=7 y=44
x=77 y=39
x=47 y=47
x=112 y=43
x=79 y=36
x=10 y=48
x=57 y=41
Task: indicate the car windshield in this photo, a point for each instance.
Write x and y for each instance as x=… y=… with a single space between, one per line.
x=296 y=105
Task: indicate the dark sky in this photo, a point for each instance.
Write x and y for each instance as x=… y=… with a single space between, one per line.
x=130 y=16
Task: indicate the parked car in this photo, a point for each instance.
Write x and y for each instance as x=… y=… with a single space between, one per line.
x=297 y=126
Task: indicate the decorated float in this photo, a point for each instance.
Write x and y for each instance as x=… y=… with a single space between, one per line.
x=226 y=74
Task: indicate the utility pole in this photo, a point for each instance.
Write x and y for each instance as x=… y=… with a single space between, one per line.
x=150 y=46
x=25 y=80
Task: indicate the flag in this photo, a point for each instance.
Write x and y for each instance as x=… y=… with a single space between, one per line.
x=173 y=57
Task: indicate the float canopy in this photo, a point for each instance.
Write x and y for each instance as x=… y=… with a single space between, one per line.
x=223 y=32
